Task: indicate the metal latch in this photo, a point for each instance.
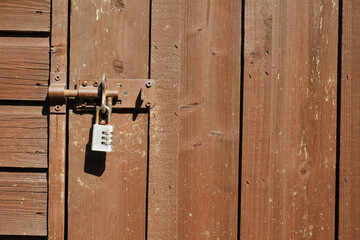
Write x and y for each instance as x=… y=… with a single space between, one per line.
x=124 y=93
x=104 y=97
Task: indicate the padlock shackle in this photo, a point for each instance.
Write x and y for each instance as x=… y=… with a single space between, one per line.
x=98 y=113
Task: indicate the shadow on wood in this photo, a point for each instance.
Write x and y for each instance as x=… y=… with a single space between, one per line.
x=94 y=161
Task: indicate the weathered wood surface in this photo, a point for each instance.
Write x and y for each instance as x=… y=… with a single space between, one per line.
x=209 y=115
x=349 y=202
x=57 y=124
x=289 y=136
x=23 y=203
x=164 y=121
x=24 y=68
x=23 y=238
x=57 y=154
x=25 y=15
x=107 y=193
x=194 y=148
x=23 y=136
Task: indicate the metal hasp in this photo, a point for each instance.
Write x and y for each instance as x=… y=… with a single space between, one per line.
x=124 y=93
x=103 y=133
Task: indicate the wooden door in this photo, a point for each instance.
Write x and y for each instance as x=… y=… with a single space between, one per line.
x=107 y=192
x=174 y=169
x=163 y=180
x=253 y=135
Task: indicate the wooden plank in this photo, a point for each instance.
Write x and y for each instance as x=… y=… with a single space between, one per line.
x=289 y=136
x=209 y=113
x=107 y=193
x=349 y=202
x=57 y=123
x=23 y=238
x=164 y=121
x=25 y=15
x=56 y=204
x=23 y=136
x=23 y=203
x=194 y=151
x=24 y=68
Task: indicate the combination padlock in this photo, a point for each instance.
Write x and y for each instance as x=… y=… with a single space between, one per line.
x=102 y=133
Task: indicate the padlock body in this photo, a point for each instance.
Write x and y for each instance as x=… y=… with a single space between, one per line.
x=102 y=138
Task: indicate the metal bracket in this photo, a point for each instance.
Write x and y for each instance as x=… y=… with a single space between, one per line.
x=57 y=87
x=125 y=93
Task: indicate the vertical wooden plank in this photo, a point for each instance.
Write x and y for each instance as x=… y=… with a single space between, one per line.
x=164 y=121
x=194 y=131
x=107 y=192
x=209 y=115
x=57 y=124
x=349 y=203
x=56 y=203
x=289 y=137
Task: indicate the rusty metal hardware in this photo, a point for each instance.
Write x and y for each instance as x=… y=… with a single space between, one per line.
x=119 y=93
x=102 y=133
x=124 y=93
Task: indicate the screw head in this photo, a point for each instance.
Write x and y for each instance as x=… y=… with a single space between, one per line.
x=57 y=108
x=96 y=84
x=57 y=78
x=148 y=84
x=84 y=83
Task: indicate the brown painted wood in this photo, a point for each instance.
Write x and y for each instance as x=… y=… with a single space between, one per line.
x=56 y=203
x=25 y=15
x=209 y=115
x=107 y=192
x=23 y=136
x=23 y=203
x=349 y=203
x=289 y=136
x=194 y=148
x=57 y=123
x=164 y=121
x=24 y=68
x=23 y=238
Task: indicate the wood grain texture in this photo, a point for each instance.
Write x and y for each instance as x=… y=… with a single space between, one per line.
x=57 y=154
x=209 y=115
x=349 y=203
x=164 y=121
x=289 y=136
x=194 y=129
x=24 y=68
x=23 y=237
x=23 y=136
x=57 y=123
x=23 y=203
x=25 y=15
x=107 y=193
